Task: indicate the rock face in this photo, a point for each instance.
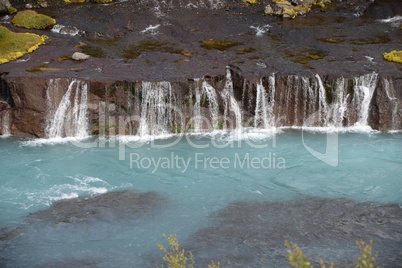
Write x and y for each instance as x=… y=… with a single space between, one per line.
x=221 y=102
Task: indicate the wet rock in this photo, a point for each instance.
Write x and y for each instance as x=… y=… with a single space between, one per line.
x=324 y=228
x=383 y=9
x=76 y=263
x=80 y=56
x=116 y=205
x=8 y=236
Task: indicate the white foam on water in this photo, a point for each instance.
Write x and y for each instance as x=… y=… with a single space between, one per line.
x=151 y=29
x=52 y=141
x=260 y=30
x=333 y=129
x=67 y=30
x=394 y=21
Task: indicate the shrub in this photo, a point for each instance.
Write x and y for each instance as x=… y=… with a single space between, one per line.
x=32 y=20
x=15 y=45
x=366 y=259
x=177 y=257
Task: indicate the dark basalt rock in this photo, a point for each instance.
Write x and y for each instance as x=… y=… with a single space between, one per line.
x=75 y=263
x=116 y=205
x=252 y=234
x=383 y=9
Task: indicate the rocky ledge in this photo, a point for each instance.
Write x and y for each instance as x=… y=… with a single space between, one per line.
x=177 y=41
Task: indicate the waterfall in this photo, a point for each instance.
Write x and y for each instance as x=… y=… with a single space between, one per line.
x=338 y=108
x=230 y=101
x=69 y=119
x=5 y=117
x=390 y=91
x=363 y=92
x=212 y=98
x=158 y=110
x=197 y=117
x=264 y=108
x=323 y=108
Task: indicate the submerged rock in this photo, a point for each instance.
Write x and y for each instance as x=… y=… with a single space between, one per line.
x=253 y=234
x=124 y=204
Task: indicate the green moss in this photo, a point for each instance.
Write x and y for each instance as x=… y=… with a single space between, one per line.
x=289 y=12
x=135 y=50
x=220 y=124
x=32 y=20
x=282 y=2
x=394 y=56
x=12 y=10
x=245 y=50
x=93 y=51
x=220 y=45
x=305 y=55
x=15 y=45
x=104 y=1
x=377 y=39
x=330 y=40
x=43 y=68
x=75 y=1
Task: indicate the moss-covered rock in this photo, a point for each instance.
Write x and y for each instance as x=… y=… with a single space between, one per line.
x=394 y=56
x=291 y=9
x=75 y=1
x=32 y=20
x=15 y=45
x=104 y=1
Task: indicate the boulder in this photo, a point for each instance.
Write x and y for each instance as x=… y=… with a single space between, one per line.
x=80 y=56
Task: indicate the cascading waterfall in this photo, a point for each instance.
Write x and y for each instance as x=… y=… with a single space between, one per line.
x=5 y=123
x=363 y=93
x=157 y=110
x=213 y=106
x=390 y=91
x=284 y=101
x=261 y=111
x=338 y=108
x=323 y=108
x=197 y=117
x=69 y=119
x=264 y=108
x=231 y=104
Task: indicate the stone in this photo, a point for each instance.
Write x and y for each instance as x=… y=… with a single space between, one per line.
x=28 y=6
x=4 y=5
x=268 y=9
x=80 y=56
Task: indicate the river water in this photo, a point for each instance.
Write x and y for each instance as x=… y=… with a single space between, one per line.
x=196 y=176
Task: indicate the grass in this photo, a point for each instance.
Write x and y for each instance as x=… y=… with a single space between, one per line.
x=32 y=20
x=15 y=45
x=220 y=45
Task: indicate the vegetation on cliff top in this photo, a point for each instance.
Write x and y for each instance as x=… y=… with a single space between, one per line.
x=32 y=20
x=15 y=45
x=394 y=56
